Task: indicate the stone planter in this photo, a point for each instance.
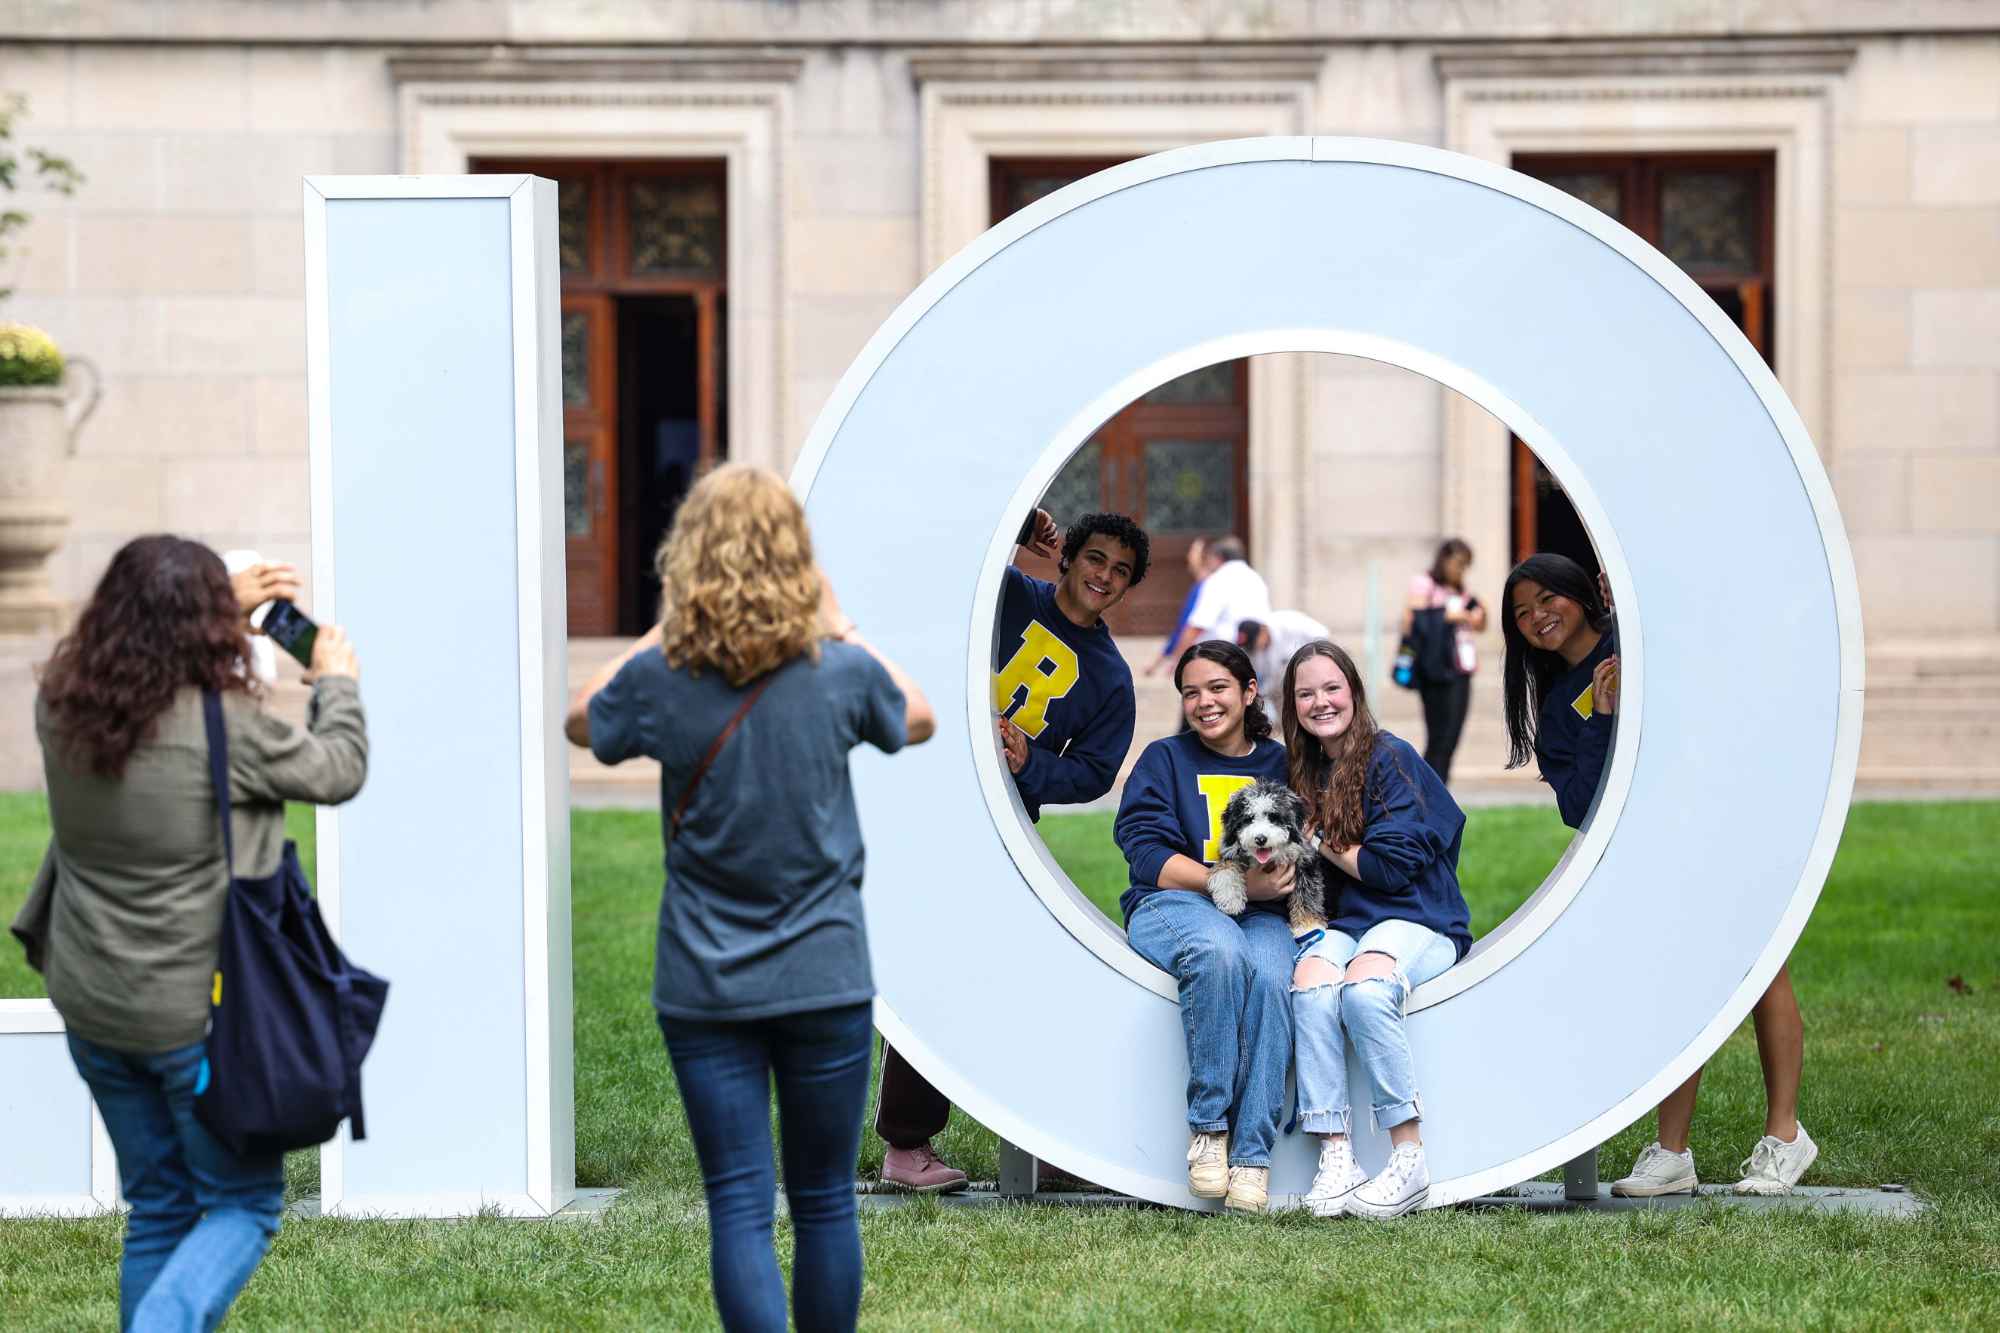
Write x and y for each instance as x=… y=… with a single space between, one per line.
x=38 y=428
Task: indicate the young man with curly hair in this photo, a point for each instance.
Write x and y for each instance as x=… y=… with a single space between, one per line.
x=1064 y=708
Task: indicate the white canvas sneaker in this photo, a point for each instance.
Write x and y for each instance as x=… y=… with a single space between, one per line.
x=1402 y=1185
x=1774 y=1166
x=1658 y=1172
x=1208 y=1165
x=1339 y=1176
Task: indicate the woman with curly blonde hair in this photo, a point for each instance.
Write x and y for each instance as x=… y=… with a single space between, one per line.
x=750 y=693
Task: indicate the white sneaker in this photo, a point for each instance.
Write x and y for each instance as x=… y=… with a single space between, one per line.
x=1403 y=1184
x=1658 y=1172
x=1339 y=1176
x=1774 y=1166
x=1208 y=1166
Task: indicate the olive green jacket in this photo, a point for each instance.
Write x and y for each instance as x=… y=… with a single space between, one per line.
x=135 y=872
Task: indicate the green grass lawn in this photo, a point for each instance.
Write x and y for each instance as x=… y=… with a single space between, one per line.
x=1902 y=1084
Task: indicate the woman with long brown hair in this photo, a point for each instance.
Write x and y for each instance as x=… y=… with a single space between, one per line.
x=1384 y=821
x=125 y=917
x=750 y=693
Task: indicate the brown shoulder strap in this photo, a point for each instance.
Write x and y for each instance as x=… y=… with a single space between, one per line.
x=701 y=769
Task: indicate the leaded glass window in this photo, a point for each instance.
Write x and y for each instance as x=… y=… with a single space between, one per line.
x=1077 y=489
x=1708 y=220
x=1190 y=485
x=1600 y=189
x=576 y=488
x=674 y=225
x=573 y=224
x=576 y=358
x=1210 y=384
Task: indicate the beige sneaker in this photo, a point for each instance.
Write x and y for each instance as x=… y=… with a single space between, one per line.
x=1208 y=1166
x=1249 y=1189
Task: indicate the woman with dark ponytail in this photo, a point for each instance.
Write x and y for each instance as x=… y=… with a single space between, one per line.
x=1562 y=699
x=1232 y=970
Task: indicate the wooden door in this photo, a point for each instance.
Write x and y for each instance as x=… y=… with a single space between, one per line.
x=590 y=462
x=1176 y=461
x=629 y=233
x=1712 y=214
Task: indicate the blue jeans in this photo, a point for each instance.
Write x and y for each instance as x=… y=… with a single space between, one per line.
x=201 y=1216
x=1371 y=1013
x=821 y=1060
x=1234 y=972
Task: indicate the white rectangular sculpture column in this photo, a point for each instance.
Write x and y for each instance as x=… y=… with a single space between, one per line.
x=435 y=395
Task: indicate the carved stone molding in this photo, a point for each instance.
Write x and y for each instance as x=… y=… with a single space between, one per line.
x=531 y=64
x=1640 y=59
x=1139 y=63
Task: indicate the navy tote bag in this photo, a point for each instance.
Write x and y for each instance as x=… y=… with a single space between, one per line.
x=290 y=1019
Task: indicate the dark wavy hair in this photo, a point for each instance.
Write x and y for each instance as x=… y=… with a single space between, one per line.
x=163 y=618
x=1119 y=529
x=1334 y=785
x=1450 y=547
x=1530 y=672
x=1256 y=722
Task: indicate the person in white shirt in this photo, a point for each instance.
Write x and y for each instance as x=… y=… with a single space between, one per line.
x=1231 y=593
x=1271 y=644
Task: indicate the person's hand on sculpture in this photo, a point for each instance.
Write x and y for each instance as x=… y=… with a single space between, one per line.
x=1604 y=687
x=1046 y=539
x=1014 y=742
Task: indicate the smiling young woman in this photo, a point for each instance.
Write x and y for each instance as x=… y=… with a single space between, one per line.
x=1231 y=970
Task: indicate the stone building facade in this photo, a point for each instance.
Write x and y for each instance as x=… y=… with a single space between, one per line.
x=856 y=144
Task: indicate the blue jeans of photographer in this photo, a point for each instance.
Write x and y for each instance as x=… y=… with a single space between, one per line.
x=1234 y=974
x=1370 y=1013
x=820 y=1059
x=201 y=1216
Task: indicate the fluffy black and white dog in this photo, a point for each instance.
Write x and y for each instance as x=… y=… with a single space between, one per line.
x=1261 y=826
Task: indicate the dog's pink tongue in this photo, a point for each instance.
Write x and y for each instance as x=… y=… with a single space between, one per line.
x=1263 y=855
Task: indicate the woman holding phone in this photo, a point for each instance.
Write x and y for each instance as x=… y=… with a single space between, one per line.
x=126 y=916
x=1562 y=703
x=750 y=693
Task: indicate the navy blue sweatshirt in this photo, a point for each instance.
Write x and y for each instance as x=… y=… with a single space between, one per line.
x=1173 y=803
x=1573 y=740
x=1409 y=851
x=1068 y=688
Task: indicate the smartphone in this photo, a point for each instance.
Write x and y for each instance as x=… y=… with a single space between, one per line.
x=292 y=630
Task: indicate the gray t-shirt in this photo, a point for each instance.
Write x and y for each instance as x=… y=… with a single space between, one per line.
x=761 y=914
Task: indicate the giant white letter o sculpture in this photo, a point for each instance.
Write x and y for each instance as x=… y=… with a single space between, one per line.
x=1740 y=719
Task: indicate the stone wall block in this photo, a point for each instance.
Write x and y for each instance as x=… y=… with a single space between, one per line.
x=291 y=88
x=1957 y=328
x=1871 y=328
x=1383 y=496
x=1917 y=247
x=830 y=331
x=205 y=173
x=246 y=495
x=243 y=335
x=279 y=164
x=161 y=87
x=853 y=256
x=1927 y=81
x=155 y=416
x=145 y=256
x=116 y=495
x=1362 y=409
x=1958 y=164
x=1381 y=90
x=278 y=415
x=39 y=254
x=1903 y=411
x=1873 y=492
x=119 y=335
x=855 y=173
x=278 y=249
x=40 y=73
x=1929 y=584
x=1956 y=493
x=1871 y=164
x=121 y=171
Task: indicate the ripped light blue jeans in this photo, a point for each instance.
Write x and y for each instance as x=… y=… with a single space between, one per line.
x=1370 y=1012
